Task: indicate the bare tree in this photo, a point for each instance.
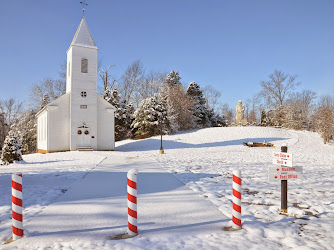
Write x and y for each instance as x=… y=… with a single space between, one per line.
x=227 y=113
x=11 y=110
x=63 y=70
x=247 y=108
x=3 y=128
x=211 y=96
x=152 y=84
x=323 y=118
x=253 y=109
x=108 y=80
x=301 y=103
x=278 y=88
x=130 y=82
x=53 y=88
x=180 y=106
x=303 y=99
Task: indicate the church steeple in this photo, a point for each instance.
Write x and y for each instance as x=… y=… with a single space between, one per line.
x=83 y=37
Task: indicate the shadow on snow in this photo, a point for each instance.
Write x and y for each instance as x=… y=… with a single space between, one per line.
x=154 y=144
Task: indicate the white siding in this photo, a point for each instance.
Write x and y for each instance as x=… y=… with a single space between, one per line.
x=59 y=126
x=42 y=123
x=69 y=77
x=83 y=82
x=105 y=127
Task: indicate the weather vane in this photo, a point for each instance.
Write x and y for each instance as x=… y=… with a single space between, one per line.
x=83 y=7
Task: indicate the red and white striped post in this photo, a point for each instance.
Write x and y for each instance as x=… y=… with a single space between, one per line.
x=236 y=199
x=132 y=202
x=17 y=215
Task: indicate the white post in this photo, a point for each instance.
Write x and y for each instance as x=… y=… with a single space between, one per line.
x=236 y=199
x=132 y=202
x=17 y=213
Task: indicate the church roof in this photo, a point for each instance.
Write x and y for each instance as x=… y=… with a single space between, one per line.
x=83 y=37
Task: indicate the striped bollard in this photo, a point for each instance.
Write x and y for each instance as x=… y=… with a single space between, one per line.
x=236 y=199
x=132 y=202
x=17 y=215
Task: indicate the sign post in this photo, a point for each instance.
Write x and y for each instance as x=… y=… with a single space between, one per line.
x=284 y=186
x=284 y=172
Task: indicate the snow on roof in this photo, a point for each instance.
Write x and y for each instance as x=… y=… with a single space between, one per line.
x=83 y=37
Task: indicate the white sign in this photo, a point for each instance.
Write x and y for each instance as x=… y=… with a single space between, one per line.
x=282 y=162
x=279 y=170
x=288 y=176
x=280 y=155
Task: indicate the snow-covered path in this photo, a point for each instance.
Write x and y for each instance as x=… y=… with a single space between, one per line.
x=95 y=209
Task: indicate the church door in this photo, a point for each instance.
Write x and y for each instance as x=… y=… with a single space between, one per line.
x=84 y=138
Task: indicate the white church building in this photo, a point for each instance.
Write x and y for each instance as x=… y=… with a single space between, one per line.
x=80 y=119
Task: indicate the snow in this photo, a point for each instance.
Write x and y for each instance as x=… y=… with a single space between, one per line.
x=203 y=160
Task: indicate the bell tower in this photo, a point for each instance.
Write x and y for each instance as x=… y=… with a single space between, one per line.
x=81 y=83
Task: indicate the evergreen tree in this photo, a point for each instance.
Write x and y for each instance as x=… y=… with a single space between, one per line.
x=169 y=121
x=149 y=117
x=173 y=79
x=215 y=119
x=45 y=101
x=263 y=118
x=123 y=115
x=11 y=150
x=26 y=130
x=199 y=108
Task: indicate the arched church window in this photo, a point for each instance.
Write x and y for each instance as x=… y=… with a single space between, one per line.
x=84 y=65
x=83 y=93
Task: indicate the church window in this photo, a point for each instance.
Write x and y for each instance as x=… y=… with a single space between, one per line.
x=83 y=94
x=69 y=69
x=84 y=65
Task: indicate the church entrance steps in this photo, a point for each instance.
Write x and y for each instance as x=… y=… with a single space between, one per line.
x=85 y=149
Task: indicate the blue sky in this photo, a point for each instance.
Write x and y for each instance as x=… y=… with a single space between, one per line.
x=231 y=45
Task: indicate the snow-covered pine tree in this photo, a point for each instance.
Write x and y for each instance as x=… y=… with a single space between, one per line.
x=199 y=109
x=148 y=118
x=26 y=130
x=173 y=79
x=170 y=123
x=11 y=150
x=263 y=118
x=215 y=119
x=123 y=115
x=107 y=95
x=165 y=121
x=129 y=118
x=45 y=101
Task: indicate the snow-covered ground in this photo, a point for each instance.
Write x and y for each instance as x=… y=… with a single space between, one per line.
x=45 y=178
x=204 y=160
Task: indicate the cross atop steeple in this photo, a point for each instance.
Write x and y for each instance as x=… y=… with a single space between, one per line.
x=83 y=6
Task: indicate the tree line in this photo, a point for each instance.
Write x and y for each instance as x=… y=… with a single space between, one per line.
x=282 y=106
x=152 y=103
